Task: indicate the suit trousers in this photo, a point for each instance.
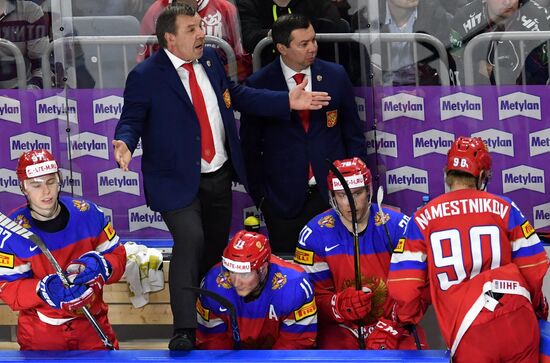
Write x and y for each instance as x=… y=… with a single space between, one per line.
x=284 y=232
x=200 y=232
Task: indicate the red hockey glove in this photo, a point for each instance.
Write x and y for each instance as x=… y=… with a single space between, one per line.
x=385 y=335
x=542 y=310
x=350 y=304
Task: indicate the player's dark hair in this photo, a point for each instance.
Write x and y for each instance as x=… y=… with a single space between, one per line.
x=166 y=22
x=283 y=27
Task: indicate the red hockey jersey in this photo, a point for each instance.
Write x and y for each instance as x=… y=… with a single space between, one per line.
x=460 y=246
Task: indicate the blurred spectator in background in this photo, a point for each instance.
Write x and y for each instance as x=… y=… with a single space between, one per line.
x=219 y=19
x=407 y=16
x=343 y=8
x=452 y=6
x=515 y=66
x=257 y=17
x=22 y=23
x=68 y=68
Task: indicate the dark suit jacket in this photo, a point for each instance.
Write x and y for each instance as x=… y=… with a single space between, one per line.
x=158 y=109
x=277 y=152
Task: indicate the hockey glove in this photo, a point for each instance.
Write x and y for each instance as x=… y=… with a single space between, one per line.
x=92 y=269
x=385 y=335
x=54 y=293
x=350 y=304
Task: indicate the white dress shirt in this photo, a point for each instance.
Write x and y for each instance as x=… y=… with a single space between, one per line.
x=212 y=109
x=288 y=73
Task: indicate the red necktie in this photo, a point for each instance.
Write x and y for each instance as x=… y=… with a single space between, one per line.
x=208 y=149
x=304 y=116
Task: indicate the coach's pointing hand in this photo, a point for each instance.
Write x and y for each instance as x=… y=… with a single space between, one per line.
x=123 y=156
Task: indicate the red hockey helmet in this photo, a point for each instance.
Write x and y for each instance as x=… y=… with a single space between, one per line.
x=469 y=155
x=35 y=163
x=354 y=171
x=246 y=252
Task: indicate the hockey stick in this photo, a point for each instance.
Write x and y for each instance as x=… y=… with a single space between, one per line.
x=412 y=329
x=11 y=226
x=356 y=251
x=231 y=311
x=379 y=197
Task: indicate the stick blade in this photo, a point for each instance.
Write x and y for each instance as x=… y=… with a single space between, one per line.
x=379 y=199
x=380 y=196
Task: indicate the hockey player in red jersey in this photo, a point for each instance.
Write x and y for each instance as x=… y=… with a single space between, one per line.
x=274 y=299
x=482 y=262
x=326 y=251
x=82 y=241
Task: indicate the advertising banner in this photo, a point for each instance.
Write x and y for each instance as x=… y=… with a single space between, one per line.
x=414 y=128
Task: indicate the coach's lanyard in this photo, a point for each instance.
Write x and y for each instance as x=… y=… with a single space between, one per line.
x=275 y=16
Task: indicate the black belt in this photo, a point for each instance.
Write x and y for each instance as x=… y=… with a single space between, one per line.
x=216 y=172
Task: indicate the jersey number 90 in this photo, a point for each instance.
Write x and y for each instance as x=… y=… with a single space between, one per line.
x=456 y=257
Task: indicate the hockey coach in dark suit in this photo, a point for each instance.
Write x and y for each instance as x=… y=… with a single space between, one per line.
x=180 y=102
x=285 y=159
